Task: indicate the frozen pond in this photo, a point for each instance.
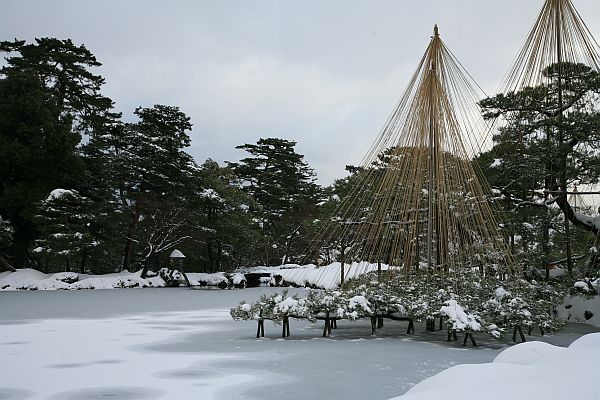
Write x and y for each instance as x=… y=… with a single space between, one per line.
x=181 y=343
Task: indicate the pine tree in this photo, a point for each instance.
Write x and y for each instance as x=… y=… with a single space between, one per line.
x=65 y=220
x=152 y=176
x=529 y=156
x=222 y=219
x=49 y=99
x=6 y=236
x=284 y=189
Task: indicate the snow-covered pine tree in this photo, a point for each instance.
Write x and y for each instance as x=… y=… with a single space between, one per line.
x=64 y=220
x=284 y=189
x=6 y=236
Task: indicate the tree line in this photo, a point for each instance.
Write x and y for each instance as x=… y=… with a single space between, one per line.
x=82 y=190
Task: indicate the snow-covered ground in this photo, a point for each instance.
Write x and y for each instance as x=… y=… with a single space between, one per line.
x=31 y=279
x=327 y=276
x=182 y=344
x=533 y=370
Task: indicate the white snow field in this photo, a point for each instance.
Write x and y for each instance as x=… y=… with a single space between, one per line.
x=182 y=344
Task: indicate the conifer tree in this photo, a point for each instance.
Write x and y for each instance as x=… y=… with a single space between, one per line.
x=528 y=158
x=49 y=99
x=284 y=189
x=65 y=220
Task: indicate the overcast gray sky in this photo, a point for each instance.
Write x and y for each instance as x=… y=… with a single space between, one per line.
x=323 y=73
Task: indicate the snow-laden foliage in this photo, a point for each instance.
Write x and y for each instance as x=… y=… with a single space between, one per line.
x=471 y=303
x=323 y=303
x=458 y=319
x=6 y=232
x=277 y=308
x=586 y=286
x=382 y=299
x=65 y=220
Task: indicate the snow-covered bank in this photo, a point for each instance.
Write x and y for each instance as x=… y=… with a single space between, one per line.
x=31 y=279
x=533 y=370
x=581 y=309
x=325 y=276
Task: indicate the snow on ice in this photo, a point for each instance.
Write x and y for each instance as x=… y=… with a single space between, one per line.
x=182 y=344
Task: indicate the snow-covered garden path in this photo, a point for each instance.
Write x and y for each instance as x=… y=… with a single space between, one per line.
x=181 y=343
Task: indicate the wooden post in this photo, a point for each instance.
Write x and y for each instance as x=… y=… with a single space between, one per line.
x=452 y=334
x=430 y=325
x=411 y=327
x=260 y=331
x=327 y=327
x=469 y=335
x=519 y=330
x=286 y=327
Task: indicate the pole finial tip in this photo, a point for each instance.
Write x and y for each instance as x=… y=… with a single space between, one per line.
x=436 y=32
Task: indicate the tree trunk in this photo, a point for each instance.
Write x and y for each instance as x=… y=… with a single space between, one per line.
x=82 y=264
x=128 y=250
x=5 y=265
x=146 y=266
x=209 y=252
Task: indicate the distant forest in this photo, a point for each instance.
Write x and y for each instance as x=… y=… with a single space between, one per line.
x=81 y=190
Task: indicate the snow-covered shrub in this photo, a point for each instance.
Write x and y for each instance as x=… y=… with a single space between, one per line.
x=415 y=298
x=322 y=303
x=66 y=277
x=383 y=300
x=358 y=307
x=172 y=277
x=508 y=310
x=460 y=320
x=276 y=307
x=588 y=287
x=245 y=312
x=238 y=280
x=544 y=298
x=290 y=306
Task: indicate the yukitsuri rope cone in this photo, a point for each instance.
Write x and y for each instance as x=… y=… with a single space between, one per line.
x=546 y=76
x=419 y=206
x=419 y=209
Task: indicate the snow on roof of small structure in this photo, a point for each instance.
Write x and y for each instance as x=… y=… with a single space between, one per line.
x=176 y=254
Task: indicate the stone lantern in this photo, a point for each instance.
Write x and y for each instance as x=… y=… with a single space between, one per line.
x=176 y=259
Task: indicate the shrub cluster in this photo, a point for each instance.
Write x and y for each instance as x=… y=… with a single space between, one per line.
x=471 y=303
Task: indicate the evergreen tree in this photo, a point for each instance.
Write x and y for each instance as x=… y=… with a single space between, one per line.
x=544 y=145
x=49 y=98
x=38 y=155
x=152 y=177
x=284 y=189
x=65 y=220
x=6 y=236
x=222 y=220
x=64 y=70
